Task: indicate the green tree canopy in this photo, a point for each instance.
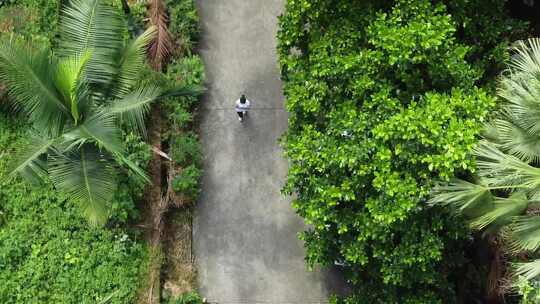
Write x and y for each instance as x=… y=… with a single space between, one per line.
x=383 y=101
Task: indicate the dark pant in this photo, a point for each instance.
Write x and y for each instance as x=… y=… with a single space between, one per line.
x=240 y=114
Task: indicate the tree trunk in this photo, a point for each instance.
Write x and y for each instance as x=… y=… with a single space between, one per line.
x=494 y=293
x=125 y=7
x=157 y=202
x=153 y=200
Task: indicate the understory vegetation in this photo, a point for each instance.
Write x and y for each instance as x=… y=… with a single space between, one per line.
x=386 y=100
x=184 y=171
x=58 y=243
x=49 y=253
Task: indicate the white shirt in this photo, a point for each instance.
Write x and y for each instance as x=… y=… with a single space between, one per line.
x=242 y=107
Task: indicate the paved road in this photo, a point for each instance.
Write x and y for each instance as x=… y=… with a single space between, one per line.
x=245 y=233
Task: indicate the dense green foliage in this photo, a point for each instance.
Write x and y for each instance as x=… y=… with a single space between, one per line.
x=186 y=148
x=184 y=24
x=529 y=291
x=49 y=254
x=187 y=298
x=187 y=181
x=30 y=18
x=503 y=198
x=384 y=101
x=183 y=147
x=188 y=70
x=487 y=34
x=76 y=99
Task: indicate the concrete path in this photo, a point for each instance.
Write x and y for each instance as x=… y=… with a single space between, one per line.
x=245 y=233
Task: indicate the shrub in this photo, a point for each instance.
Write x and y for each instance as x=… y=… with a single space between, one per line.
x=184 y=71
x=184 y=23
x=138 y=152
x=49 y=254
x=383 y=102
x=187 y=70
x=15 y=19
x=186 y=148
x=29 y=17
x=184 y=144
x=137 y=16
x=187 y=182
x=528 y=291
x=187 y=298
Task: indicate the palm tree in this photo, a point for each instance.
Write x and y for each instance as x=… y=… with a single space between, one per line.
x=76 y=98
x=503 y=200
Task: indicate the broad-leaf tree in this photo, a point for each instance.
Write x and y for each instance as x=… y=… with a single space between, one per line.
x=76 y=97
x=382 y=102
x=504 y=198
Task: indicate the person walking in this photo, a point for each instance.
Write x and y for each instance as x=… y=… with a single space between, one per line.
x=242 y=106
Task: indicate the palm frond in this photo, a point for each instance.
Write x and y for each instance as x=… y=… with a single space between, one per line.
x=529 y=270
x=520 y=86
x=502 y=211
x=133 y=62
x=462 y=196
x=96 y=26
x=522 y=107
x=161 y=46
x=134 y=106
x=87 y=178
x=527 y=56
x=67 y=79
x=506 y=163
x=101 y=129
x=504 y=171
x=27 y=75
x=490 y=132
x=517 y=141
x=524 y=233
x=27 y=161
x=138 y=172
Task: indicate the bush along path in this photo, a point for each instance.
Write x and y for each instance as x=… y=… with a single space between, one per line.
x=175 y=165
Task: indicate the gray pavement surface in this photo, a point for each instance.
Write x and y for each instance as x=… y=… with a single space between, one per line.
x=245 y=232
